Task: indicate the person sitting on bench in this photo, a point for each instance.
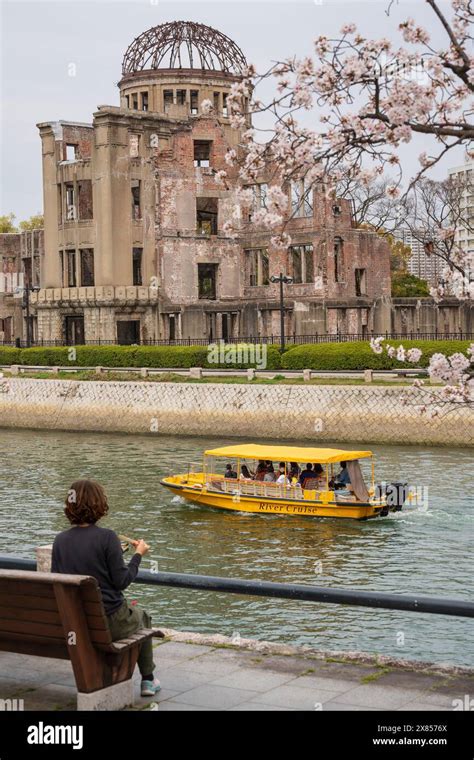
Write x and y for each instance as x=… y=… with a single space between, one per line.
x=86 y=549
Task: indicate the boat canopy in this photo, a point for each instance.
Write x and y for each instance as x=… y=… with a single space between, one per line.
x=287 y=453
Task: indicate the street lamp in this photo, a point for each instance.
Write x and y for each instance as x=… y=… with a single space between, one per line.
x=282 y=279
x=26 y=305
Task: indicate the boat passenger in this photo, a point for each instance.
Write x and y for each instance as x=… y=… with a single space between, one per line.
x=343 y=477
x=229 y=472
x=294 y=471
x=306 y=475
x=282 y=478
x=319 y=475
x=270 y=476
x=245 y=473
x=261 y=471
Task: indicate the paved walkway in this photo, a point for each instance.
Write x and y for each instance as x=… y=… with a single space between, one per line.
x=207 y=676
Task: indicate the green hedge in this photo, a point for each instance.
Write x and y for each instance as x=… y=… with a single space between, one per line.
x=323 y=356
x=139 y=356
x=359 y=356
x=9 y=355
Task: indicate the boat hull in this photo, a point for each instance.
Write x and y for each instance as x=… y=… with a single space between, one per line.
x=197 y=494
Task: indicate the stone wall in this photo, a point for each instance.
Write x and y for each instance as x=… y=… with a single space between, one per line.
x=296 y=412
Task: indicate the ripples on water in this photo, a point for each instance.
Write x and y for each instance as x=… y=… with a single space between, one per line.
x=415 y=551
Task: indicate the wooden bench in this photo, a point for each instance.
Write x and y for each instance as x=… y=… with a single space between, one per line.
x=62 y=616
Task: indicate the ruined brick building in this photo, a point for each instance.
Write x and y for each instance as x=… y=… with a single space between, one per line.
x=21 y=260
x=134 y=241
x=133 y=237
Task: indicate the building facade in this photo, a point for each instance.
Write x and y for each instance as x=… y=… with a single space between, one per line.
x=464 y=236
x=135 y=248
x=21 y=258
x=420 y=264
x=10 y=280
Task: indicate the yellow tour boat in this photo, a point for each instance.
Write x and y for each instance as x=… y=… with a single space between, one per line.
x=227 y=481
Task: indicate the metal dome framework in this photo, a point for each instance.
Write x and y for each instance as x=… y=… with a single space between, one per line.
x=183 y=45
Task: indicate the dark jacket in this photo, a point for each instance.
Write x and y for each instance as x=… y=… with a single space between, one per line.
x=96 y=551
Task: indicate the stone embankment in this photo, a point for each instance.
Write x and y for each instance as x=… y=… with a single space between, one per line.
x=313 y=413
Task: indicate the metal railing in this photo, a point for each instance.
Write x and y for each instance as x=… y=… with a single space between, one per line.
x=295 y=591
x=295 y=374
x=292 y=339
x=266 y=490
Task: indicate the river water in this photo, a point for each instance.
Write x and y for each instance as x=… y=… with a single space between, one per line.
x=425 y=549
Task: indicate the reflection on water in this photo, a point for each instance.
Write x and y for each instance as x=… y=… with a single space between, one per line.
x=415 y=551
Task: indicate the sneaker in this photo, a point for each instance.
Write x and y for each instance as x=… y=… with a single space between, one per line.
x=150 y=688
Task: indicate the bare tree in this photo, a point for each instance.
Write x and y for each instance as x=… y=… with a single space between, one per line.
x=371 y=206
x=436 y=213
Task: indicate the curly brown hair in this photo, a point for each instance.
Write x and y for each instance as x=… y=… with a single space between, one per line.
x=85 y=502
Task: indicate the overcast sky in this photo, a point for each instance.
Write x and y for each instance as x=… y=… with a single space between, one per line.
x=41 y=39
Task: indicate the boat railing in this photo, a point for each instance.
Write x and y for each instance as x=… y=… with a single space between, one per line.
x=257 y=488
x=267 y=490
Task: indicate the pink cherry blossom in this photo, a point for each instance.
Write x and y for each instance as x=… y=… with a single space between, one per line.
x=376 y=345
x=207 y=107
x=414 y=355
x=369 y=97
x=220 y=177
x=348 y=29
x=401 y=354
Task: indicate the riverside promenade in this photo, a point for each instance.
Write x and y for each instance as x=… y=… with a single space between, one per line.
x=199 y=672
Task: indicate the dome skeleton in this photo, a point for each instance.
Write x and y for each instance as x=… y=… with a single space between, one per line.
x=166 y=45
